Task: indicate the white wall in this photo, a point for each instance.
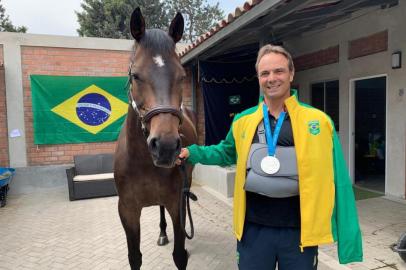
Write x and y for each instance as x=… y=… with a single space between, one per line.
x=360 y=25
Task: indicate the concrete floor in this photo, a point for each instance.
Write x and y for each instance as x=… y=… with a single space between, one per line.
x=46 y=231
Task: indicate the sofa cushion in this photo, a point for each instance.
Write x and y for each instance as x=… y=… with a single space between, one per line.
x=93 y=177
x=93 y=164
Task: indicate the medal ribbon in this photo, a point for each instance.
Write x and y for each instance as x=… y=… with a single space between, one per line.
x=272 y=140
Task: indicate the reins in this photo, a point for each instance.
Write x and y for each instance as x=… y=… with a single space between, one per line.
x=185 y=195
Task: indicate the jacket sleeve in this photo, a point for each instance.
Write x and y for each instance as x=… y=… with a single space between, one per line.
x=347 y=230
x=222 y=154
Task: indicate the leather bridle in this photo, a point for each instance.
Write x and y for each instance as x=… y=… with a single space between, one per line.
x=145 y=115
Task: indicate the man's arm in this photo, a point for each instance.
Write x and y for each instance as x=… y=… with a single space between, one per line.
x=222 y=154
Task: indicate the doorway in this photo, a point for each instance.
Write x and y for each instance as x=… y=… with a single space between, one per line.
x=370 y=133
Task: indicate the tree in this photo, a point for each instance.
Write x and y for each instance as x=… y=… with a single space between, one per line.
x=6 y=25
x=199 y=16
x=111 y=18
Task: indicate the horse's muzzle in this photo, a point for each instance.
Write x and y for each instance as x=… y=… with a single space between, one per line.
x=164 y=150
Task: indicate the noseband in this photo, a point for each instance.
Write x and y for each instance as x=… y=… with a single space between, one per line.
x=145 y=115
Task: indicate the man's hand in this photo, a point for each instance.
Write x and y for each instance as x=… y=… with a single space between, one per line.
x=184 y=154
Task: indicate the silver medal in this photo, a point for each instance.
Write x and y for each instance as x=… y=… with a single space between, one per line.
x=270 y=165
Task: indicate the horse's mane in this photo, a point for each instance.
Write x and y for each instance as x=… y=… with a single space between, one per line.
x=157 y=41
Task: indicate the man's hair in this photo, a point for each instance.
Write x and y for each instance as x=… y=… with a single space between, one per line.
x=269 y=48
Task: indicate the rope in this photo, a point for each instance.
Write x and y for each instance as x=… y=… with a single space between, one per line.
x=185 y=195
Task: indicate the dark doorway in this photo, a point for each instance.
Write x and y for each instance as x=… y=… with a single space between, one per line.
x=370 y=133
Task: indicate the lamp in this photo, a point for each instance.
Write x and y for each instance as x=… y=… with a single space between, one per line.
x=396 y=60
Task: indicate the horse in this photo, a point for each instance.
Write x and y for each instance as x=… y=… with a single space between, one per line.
x=155 y=129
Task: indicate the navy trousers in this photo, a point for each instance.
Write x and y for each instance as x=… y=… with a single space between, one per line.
x=262 y=247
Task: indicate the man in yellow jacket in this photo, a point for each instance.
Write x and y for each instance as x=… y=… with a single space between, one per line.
x=273 y=227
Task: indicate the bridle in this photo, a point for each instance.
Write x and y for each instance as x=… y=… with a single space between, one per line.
x=145 y=115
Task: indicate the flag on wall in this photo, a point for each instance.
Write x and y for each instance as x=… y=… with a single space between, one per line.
x=73 y=109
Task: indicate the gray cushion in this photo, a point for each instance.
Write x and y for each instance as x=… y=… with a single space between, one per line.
x=93 y=164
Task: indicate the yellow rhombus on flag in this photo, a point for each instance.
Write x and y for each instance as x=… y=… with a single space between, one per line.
x=92 y=109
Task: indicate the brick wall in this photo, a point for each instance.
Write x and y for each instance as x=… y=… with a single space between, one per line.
x=187 y=101
x=200 y=114
x=4 y=160
x=1 y=55
x=73 y=62
x=371 y=44
x=317 y=59
x=187 y=89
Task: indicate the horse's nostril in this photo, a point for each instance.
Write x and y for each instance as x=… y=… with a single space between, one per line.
x=154 y=144
x=178 y=144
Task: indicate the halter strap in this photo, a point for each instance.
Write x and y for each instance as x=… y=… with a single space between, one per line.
x=147 y=116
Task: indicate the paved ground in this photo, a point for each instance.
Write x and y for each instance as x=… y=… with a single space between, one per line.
x=382 y=223
x=46 y=231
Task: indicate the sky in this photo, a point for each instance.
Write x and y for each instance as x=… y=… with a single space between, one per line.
x=57 y=17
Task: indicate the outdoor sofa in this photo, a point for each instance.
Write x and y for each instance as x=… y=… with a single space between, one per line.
x=91 y=177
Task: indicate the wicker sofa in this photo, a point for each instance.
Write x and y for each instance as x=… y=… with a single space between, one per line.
x=91 y=177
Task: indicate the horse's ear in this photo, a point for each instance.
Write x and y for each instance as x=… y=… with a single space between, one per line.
x=176 y=28
x=137 y=24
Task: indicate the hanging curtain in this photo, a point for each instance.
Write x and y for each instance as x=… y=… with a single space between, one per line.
x=228 y=89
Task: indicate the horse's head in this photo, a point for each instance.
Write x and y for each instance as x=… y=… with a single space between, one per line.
x=156 y=76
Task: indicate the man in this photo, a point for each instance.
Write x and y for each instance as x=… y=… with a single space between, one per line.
x=286 y=229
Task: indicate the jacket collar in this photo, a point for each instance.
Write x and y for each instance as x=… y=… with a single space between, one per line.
x=291 y=102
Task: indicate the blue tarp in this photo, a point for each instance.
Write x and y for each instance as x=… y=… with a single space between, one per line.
x=5 y=175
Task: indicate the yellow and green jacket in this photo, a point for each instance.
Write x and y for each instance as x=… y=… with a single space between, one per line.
x=327 y=205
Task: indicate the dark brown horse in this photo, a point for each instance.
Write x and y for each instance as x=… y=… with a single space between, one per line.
x=149 y=143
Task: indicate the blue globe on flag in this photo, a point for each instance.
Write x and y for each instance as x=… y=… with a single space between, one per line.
x=93 y=109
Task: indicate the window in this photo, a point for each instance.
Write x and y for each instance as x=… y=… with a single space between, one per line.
x=325 y=96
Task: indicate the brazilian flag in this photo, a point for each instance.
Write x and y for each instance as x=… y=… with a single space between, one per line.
x=73 y=109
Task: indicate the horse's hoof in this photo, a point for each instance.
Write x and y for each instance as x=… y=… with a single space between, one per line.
x=163 y=240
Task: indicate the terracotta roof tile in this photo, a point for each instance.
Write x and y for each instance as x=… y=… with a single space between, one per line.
x=230 y=18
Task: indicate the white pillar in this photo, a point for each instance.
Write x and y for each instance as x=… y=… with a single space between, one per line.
x=15 y=101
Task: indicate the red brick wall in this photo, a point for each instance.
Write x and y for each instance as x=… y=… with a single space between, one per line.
x=4 y=160
x=317 y=59
x=1 y=55
x=187 y=89
x=200 y=114
x=374 y=43
x=187 y=101
x=73 y=62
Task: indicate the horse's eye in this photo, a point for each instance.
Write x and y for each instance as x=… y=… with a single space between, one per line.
x=136 y=77
x=182 y=79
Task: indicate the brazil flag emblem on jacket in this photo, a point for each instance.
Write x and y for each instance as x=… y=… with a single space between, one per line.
x=73 y=109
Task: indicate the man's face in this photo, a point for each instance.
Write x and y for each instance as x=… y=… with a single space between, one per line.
x=274 y=76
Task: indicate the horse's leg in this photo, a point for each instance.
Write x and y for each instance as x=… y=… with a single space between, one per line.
x=163 y=237
x=180 y=255
x=130 y=218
